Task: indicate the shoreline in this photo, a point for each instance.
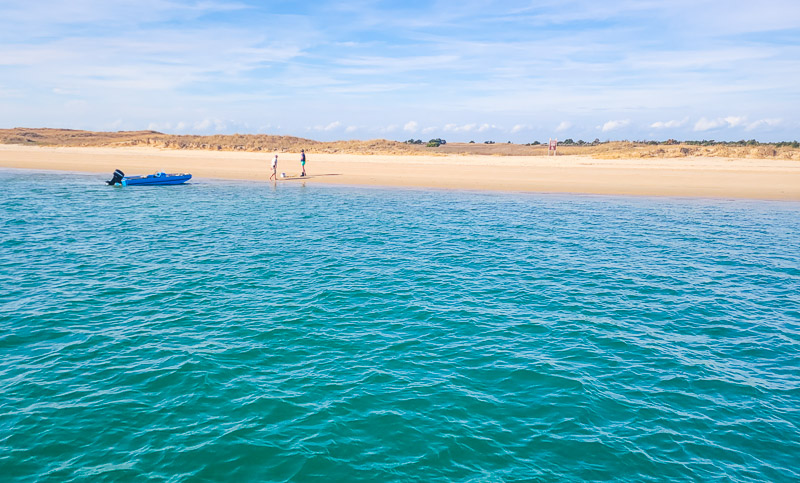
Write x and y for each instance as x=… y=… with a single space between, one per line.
x=696 y=177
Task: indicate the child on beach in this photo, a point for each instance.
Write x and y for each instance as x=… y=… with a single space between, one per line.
x=303 y=161
x=274 y=168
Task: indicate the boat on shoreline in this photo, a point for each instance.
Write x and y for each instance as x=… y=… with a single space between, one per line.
x=156 y=179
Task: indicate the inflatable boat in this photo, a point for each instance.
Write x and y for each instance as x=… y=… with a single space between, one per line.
x=157 y=179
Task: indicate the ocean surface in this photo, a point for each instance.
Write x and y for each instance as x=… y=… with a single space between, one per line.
x=240 y=331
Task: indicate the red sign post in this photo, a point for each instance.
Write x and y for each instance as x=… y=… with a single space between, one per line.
x=553 y=145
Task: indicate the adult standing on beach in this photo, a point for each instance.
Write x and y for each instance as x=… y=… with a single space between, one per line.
x=274 y=168
x=303 y=161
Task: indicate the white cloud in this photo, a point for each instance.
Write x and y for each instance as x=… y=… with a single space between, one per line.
x=411 y=126
x=329 y=127
x=704 y=124
x=217 y=66
x=201 y=126
x=611 y=125
x=366 y=88
x=668 y=124
x=122 y=11
x=462 y=128
x=391 y=65
x=763 y=123
x=735 y=121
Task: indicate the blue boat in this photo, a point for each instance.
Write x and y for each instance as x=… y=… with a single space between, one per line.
x=157 y=179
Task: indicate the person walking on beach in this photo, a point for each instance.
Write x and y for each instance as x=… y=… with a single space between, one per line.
x=303 y=161
x=274 y=168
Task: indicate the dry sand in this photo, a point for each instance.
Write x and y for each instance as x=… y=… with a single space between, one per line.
x=769 y=179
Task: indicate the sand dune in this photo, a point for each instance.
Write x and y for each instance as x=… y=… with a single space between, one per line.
x=288 y=144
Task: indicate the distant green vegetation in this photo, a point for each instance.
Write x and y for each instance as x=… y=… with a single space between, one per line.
x=751 y=142
x=704 y=142
x=433 y=143
x=580 y=142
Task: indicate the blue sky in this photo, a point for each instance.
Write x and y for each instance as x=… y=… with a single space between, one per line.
x=464 y=70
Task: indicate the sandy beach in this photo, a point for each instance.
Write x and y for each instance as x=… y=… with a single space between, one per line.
x=768 y=179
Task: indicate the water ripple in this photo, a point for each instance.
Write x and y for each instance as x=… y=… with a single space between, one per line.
x=240 y=331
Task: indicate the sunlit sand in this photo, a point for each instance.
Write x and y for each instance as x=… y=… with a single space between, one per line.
x=776 y=179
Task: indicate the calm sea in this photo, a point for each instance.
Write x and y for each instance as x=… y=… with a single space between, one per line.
x=238 y=331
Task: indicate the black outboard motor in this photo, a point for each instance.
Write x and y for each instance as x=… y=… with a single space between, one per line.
x=117 y=178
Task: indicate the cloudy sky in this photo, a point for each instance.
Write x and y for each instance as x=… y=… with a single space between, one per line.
x=462 y=70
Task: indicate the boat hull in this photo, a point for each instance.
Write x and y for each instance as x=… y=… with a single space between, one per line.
x=158 y=179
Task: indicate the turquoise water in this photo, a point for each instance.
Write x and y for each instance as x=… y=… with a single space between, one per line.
x=240 y=331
